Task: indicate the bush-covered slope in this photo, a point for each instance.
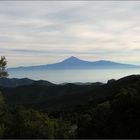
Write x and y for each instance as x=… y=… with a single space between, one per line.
x=111 y=110
x=64 y=96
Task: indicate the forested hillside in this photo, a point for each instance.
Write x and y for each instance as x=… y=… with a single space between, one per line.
x=98 y=110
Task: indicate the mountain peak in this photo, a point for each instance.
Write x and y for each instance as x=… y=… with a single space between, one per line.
x=71 y=59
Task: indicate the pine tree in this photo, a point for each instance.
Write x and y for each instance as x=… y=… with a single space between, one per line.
x=3 y=64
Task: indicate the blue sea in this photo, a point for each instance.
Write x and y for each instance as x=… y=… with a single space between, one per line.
x=72 y=76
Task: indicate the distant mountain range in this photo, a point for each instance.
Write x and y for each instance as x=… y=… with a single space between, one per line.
x=76 y=63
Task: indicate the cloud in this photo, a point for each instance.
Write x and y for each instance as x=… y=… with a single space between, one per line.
x=49 y=31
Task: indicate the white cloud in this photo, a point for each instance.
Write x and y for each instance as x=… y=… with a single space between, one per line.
x=48 y=31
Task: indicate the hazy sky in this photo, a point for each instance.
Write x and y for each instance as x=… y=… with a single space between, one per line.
x=36 y=32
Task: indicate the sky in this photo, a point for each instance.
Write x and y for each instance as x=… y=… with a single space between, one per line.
x=43 y=32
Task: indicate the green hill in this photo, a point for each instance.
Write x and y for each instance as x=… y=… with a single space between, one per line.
x=98 y=110
x=64 y=96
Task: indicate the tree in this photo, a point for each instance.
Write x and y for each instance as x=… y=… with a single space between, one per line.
x=3 y=64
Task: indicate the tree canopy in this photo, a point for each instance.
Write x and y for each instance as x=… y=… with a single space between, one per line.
x=3 y=64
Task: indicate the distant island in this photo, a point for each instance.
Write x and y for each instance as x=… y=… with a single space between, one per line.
x=76 y=63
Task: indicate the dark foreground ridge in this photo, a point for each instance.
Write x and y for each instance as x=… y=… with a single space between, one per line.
x=15 y=82
x=95 y=110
